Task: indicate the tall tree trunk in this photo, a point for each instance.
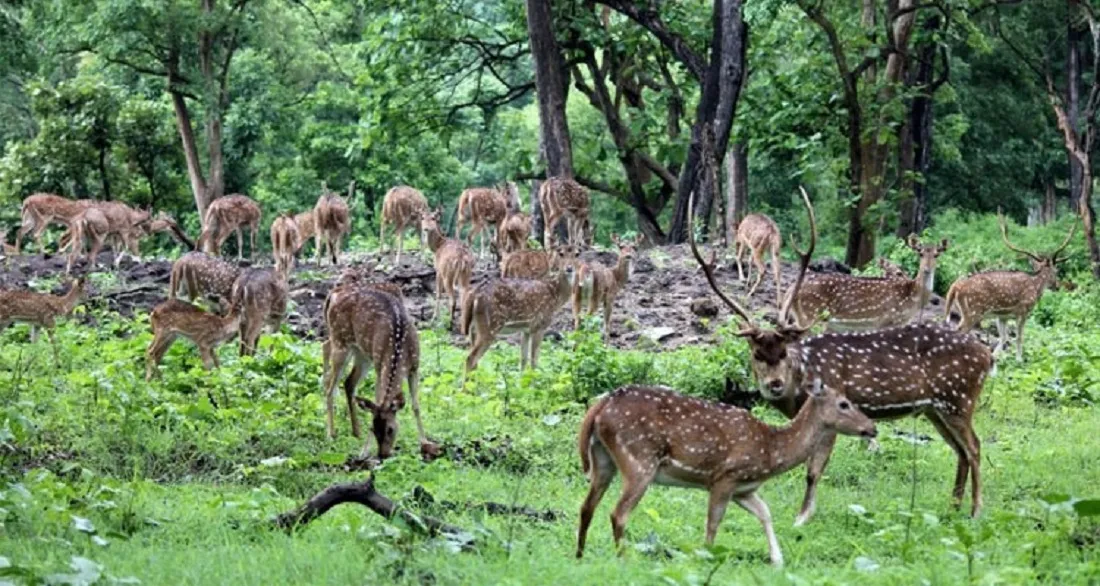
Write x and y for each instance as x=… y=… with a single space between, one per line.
x=103 y=178
x=1073 y=102
x=551 y=87
x=1088 y=217
x=1050 y=203
x=190 y=152
x=915 y=155
x=737 y=188
x=716 y=110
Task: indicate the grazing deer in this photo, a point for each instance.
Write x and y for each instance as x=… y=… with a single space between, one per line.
x=368 y=324
x=1005 y=294
x=40 y=310
x=306 y=229
x=228 y=214
x=653 y=434
x=205 y=275
x=565 y=198
x=284 y=244
x=91 y=224
x=504 y=306
x=454 y=263
x=598 y=285
x=261 y=298
x=128 y=224
x=332 y=222
x=42 y=209
x=485 y=208
x=352 y=278
x=869 y=303
x=174 y=318
x=891 y=269
x=163 y=222
x=758 y=233
x=513 y=232
x=403 y=207
x=917 y=369
x=534 y=264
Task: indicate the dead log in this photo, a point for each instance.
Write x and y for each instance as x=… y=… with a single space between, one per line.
x=364 y=493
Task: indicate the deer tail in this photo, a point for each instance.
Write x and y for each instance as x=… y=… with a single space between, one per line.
x=584 y=440
x=469 y=306
x=948 y=301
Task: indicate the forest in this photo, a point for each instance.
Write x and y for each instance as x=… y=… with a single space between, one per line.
x=912 y=147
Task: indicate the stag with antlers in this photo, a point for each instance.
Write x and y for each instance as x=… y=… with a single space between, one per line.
x=655 y=435
x=1005 y=294
x=918 y=369
x=868 y=303
x=403 y=207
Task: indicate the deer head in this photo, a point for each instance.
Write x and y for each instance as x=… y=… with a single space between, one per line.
x=383 y=422
x=1043 y=265
x=770 y=357
x=928 y=255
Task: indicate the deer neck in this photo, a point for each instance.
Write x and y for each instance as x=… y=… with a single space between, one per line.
x=436 y=239
x=623 y=269
x=793 y=444
x=69 y=300
x=231 y=323
x=923 y=284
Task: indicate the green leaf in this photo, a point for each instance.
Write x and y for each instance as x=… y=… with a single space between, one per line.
x=1087 y=507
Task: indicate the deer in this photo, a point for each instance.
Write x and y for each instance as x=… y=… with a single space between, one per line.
x=869 y=303
x=40 y=310
x=201 y=274
x=513 y=232
x=261 y=297
x=454 y=263
x=284 y=244
x=758 y=233
x=561 y=197
x=40 y=210
x=231 y=213
x=90 y=224
x=402 y=207
x=598 y=285
x=532 y=264
x=917 y=369
x=332 y=222
x=366 y=323
x=174 y=318
x=891 y=269
x=485 y=208
x=306 y=229
x=8 y=249
x=1005 y=294
x=351 y=278
x=503 y=306
x=656 y=435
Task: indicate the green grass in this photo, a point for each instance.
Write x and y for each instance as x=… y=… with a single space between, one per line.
x=176 y=490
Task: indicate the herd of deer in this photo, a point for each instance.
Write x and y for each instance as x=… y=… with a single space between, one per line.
x=877 y=360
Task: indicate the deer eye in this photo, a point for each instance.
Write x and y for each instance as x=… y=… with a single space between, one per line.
x=844 y=405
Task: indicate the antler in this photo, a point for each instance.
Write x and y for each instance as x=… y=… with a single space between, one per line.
x=1004 y=236
x=804 y=260
x=1065 y=243
x=707 y=270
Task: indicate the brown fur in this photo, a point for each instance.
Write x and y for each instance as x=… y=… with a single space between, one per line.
x=758 y=233
x=485 y=208
x=306 y=229
x=332 y=223
x=40 y=310
x=203 y=275
x=174 y=318
x=261 y=296
x=229 y=214
x=284 y=244
x=599 y=286
x=532 y=264
x=402 y=208
x=42 y=209
x=561 y=197
x=454 y=263
x=513 y=232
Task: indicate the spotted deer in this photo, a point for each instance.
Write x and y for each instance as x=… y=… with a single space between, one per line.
x=306 y=229
x=224 y=215
x=90 y=224
x=533 y=264
x=454 y=263
x=598 y=285
x=891 y=269
x=174 y=318
x=513 y=232
x=485 y=208
x=354 y=277
x=560 y=198
x=332 y=222
x=199 y=274
x=365 y=324
x=40 y=310
x=261 y=297
x=869 y=303
x=403 y=207
x=757 y=234
x=107 y=219
x=1005 y=294
x=655 y=435
x=918 y=369
x=284 y=244
x=40 y=210
x=503 y=306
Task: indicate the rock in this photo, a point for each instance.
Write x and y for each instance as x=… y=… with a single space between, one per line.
x=704 y=307
x=830 y=265
x=658 y=334
x=644 y=265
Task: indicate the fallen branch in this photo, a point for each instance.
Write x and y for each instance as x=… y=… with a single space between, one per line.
x=363 y=493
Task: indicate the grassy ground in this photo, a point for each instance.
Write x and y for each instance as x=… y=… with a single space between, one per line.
x=103 y=476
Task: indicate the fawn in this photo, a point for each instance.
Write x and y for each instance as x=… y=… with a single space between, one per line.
x=599 y=285
x=454 y=263
x=261 y=298
x=40 y=310
x=174 y=318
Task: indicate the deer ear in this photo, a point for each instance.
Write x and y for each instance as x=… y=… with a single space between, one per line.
x=366 y=404
x=913 y=241
x=943 y=245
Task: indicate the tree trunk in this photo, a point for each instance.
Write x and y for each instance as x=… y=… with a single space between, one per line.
x=1088 y=217
x=737 y=188
x=915 y=155
x=213 y=100
x=551 y=85
x=716 y=110
x=190 y=152
x=1073 y=103
x=1050 y=203
x=103 y=178
x=538 y=223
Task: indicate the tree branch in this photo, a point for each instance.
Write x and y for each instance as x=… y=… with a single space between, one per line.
x=650 y=19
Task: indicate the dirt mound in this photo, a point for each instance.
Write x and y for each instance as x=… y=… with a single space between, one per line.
x=654 y=311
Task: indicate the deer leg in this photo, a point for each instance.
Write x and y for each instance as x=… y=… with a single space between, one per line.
x=608 y=305
x=756 y=505
x=963 y=432
x=252 y=241
x=635 y=482
x=53 y=343
x=775 y=273
x=758 y=262
x=482 y=341
x=209 y=358
x=601 y=473
x=1002 y=336
x=350 y=384
x=414 y=397
x=335 y=359
x=155 y=353
x=536 y=342
x=577 y=306
x=400 y=243
x=962 y=470
x=719 y=498
x=739 y=250
x=814 y=467
x=250 y=334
